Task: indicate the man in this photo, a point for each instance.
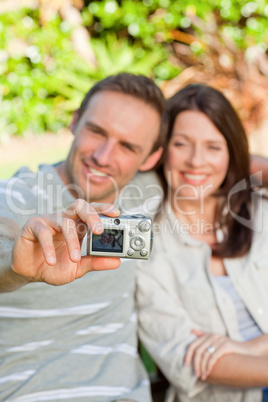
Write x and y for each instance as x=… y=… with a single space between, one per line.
x=102 y=242
x=77 y=341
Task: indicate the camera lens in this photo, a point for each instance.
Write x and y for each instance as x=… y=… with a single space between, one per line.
x=117 y=221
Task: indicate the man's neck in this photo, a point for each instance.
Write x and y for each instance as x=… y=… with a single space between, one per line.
x=61 y=170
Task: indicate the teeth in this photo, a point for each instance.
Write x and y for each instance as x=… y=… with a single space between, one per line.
x=98 y=173
x=195 y=177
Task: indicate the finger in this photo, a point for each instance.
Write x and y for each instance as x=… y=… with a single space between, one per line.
x=211 y=363
x=220 y=351
x=81 y=209
x=216 y=342
x=191 y=350
x=91 y=263
x=56 y=222
x=206 y=356
x=82 y=229
x=44 y=236
x=106 y=209
x=198 y=332
x=201 y=353
x=69 y=231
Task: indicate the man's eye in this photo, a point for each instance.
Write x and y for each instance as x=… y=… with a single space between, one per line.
x=94 y=131
x=128 y=147
x=97 y=133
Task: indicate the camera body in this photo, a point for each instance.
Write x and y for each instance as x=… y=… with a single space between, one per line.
x=127 y=236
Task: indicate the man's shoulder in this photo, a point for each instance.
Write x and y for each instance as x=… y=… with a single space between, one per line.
x=24 y=176
x=28 y=193
x=44 y=173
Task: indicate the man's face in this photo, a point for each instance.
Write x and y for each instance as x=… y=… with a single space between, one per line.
x=113 y=139
x=105 y=238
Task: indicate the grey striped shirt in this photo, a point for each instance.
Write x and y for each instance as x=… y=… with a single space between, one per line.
x=72 y=342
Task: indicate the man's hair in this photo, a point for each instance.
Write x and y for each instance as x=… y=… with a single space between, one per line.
x=139 y=87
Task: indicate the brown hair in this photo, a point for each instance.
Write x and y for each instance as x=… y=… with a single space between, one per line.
x=138 y=86
x=211 y=102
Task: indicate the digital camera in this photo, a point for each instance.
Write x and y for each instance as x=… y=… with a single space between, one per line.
x=128 y=236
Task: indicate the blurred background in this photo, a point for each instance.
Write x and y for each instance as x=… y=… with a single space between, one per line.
x=53 y=51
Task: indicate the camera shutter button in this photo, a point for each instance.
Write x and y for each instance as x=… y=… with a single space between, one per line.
x=144 y=226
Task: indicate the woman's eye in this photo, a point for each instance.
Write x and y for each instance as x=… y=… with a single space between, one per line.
x=214 y=148
x=179 y=144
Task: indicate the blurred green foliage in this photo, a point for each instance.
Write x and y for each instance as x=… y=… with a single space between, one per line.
x=43 y=79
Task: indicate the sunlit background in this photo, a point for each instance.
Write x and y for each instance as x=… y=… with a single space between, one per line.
x=52 y=52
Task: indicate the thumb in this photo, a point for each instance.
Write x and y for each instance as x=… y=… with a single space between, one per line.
x=198 y=332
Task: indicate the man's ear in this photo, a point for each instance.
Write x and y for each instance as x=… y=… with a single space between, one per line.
x=152 y=160
x=74 y=120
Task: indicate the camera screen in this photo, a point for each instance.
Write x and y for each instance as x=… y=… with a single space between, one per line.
x=110 y=241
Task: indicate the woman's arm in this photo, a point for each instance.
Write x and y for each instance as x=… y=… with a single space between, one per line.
x=240 y=371
x=220 y=360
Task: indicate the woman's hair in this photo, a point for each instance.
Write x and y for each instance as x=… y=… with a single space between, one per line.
x=113 y=242
x=211 y=102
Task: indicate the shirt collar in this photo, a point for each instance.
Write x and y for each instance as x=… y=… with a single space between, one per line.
x=173 y=231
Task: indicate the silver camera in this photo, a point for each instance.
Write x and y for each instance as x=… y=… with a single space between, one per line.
x=128 y=236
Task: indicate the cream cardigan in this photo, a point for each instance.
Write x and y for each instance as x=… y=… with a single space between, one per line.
x=175 y=293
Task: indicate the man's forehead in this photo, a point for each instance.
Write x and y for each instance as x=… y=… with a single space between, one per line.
x=122 y=113
x=112 y=99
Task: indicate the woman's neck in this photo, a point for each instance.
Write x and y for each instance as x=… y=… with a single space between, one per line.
x=198 y=218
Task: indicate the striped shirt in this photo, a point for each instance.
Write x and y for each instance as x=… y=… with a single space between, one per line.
x=72 y=342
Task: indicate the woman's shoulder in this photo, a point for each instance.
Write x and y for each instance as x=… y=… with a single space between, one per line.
x=259 y=214
x=260 y=204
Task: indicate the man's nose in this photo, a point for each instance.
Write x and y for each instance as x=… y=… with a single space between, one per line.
x=103 y=155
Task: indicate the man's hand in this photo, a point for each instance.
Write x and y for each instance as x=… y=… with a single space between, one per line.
x=48 y=248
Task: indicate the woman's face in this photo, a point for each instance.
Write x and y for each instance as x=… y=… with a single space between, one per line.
x=197 y=159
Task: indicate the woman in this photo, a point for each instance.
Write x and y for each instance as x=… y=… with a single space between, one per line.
x=202 y=297
x=112 y=244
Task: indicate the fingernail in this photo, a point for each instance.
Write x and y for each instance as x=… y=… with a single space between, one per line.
x=76 y=255
x=113 y=209
x=51 y=260
x=97 y=227
x=197 y=374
